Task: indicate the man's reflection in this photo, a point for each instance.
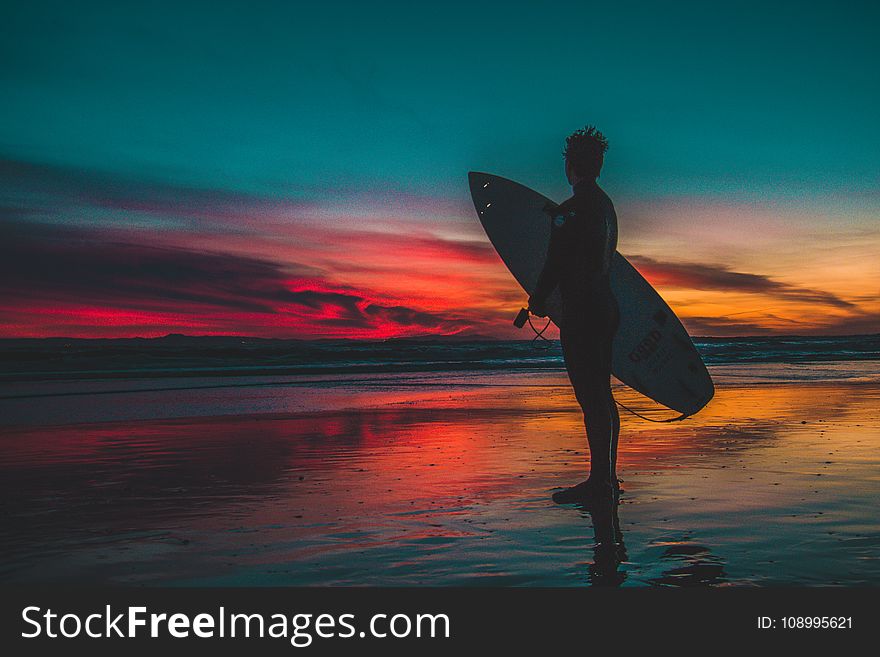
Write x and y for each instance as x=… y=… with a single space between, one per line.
x=609 y=550
x=686 y=564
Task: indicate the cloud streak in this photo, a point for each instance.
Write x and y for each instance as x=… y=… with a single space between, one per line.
x=697 y=276
x=50 y=269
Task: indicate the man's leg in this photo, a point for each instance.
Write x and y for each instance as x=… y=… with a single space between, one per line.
x=615 y=436
x=613 y=324
x=598 y=406
x=593 y=391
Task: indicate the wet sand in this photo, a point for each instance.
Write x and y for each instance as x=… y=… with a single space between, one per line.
x=436 y=479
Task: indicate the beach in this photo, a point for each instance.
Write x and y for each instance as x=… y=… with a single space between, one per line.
x=439 y=478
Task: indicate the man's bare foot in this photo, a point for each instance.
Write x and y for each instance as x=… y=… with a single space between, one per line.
x=584 y=492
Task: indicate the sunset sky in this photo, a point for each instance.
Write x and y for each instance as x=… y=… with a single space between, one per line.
x=291 y=170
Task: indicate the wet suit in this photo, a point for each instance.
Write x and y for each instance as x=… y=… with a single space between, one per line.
x=583 y=239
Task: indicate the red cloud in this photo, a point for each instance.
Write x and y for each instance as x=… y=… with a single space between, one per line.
x=64 y=280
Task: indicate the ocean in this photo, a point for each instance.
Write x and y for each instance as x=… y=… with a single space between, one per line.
x=179 y=355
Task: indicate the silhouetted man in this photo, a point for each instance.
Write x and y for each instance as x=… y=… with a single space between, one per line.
x=583 y=239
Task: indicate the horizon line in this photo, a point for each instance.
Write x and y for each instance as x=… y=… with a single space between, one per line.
x=455 y=337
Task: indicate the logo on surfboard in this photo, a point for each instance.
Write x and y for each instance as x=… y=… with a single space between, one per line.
x=646 y=347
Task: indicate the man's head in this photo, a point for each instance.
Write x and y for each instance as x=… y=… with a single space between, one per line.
x=584 y=153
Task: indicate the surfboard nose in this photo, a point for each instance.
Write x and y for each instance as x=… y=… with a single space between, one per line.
x=477 y=180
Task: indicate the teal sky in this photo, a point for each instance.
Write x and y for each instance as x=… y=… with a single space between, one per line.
x=288 y=98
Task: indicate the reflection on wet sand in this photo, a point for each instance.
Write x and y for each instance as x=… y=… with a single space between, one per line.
x=609 y=550
x=449 y=484
x=694 y=566
x=684 y=564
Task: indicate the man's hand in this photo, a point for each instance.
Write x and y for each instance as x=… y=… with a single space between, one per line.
x=537 y=307
x=550 y=208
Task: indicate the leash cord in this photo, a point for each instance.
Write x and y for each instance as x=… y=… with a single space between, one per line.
x=539 y=335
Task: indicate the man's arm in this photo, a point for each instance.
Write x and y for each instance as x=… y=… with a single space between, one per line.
x=552 y=271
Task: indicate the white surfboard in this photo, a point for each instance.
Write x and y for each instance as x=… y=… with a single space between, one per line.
x=652 y=351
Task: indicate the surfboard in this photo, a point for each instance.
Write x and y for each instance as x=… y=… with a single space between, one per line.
x=652 y=352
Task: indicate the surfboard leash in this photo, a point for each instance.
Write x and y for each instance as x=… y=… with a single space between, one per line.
x=539 y=335
x=650 y=419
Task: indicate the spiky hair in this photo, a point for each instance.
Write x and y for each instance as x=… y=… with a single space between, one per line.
x=585 y=149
